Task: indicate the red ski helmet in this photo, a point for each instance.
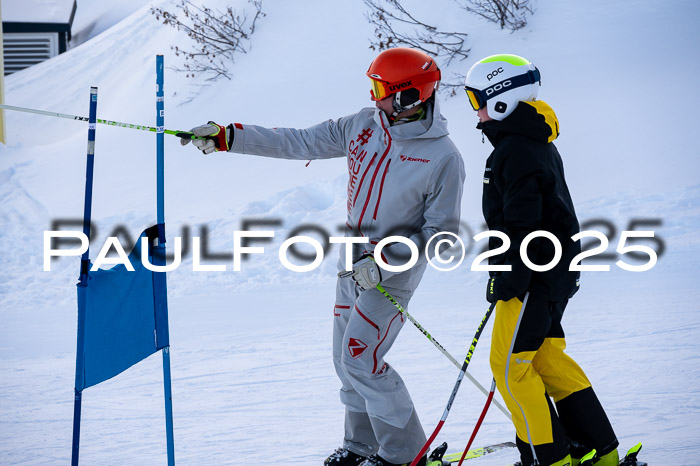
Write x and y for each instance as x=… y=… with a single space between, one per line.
x=396 y=71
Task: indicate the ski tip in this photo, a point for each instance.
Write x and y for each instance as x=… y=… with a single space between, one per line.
x=635 y=449
x=589 y=458
x=631 y=458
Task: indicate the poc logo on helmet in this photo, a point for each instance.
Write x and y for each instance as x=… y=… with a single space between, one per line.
x=494 y=73
x=498 y=87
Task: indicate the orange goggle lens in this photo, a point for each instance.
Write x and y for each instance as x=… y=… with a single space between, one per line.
x=474 y=99
x=379 y=90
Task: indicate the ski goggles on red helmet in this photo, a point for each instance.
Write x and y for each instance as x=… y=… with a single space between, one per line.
x=382 y=89
x=379 y=89
x=479 y=97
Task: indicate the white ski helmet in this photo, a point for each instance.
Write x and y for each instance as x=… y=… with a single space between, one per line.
x=499 y=82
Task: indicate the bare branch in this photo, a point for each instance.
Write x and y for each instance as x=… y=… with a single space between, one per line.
x=383 y=14
x=217 y=35
x=511 y=14
x=394 y=26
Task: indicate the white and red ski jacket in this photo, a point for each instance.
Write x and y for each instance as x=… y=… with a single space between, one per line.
x=403 y=180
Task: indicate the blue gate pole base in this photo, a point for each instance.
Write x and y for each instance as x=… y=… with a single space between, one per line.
x=76 y=428
x=168 y=406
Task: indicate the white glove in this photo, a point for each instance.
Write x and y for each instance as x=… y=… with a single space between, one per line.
x=216 y=138
x=366 y=273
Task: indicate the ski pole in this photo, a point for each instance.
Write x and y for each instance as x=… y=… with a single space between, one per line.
x=462 y=371
x=440 y=347
x=478 y=423
x=180 y=134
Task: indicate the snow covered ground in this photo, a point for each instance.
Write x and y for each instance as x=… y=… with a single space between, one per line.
x=252 y=377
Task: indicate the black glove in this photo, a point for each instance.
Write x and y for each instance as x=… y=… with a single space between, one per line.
x=576 y=287
x=492 y=291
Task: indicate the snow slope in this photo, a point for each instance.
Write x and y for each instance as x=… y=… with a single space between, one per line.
x=252 y=375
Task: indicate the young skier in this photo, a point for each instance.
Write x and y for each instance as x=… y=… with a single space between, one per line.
x=525 y=191
x=405 y=178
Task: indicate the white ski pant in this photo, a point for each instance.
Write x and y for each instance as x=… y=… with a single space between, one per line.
x=379 y=413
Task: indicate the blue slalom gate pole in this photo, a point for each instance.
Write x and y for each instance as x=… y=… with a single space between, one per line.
x=83 y=283
x=160 y=136
x=160 y=140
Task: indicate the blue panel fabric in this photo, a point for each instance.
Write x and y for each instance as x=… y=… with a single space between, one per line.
x=125 y=317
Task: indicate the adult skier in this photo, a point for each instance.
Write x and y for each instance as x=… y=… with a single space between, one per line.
x=525 y=191
x=405 y=179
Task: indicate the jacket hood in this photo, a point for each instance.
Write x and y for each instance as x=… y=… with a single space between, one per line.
x=434 y=125
x=535 y=120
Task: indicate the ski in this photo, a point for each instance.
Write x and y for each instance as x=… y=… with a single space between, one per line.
x=478 y=452
x=438 y=457
x=630 y=458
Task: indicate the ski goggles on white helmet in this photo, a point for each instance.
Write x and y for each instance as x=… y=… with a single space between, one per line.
x=478 y=97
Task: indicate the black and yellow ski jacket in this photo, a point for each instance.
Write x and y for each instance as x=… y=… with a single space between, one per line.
x=525 y=191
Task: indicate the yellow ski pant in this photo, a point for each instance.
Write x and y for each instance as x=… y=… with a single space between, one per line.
x=529 y=365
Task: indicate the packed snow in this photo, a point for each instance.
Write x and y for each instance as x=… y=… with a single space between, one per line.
x=252 y=376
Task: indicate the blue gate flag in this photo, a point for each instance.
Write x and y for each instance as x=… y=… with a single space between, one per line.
x=125 y=315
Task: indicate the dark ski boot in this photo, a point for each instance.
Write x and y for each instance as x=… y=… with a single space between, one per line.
x=376 y=460
x=344 y=457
